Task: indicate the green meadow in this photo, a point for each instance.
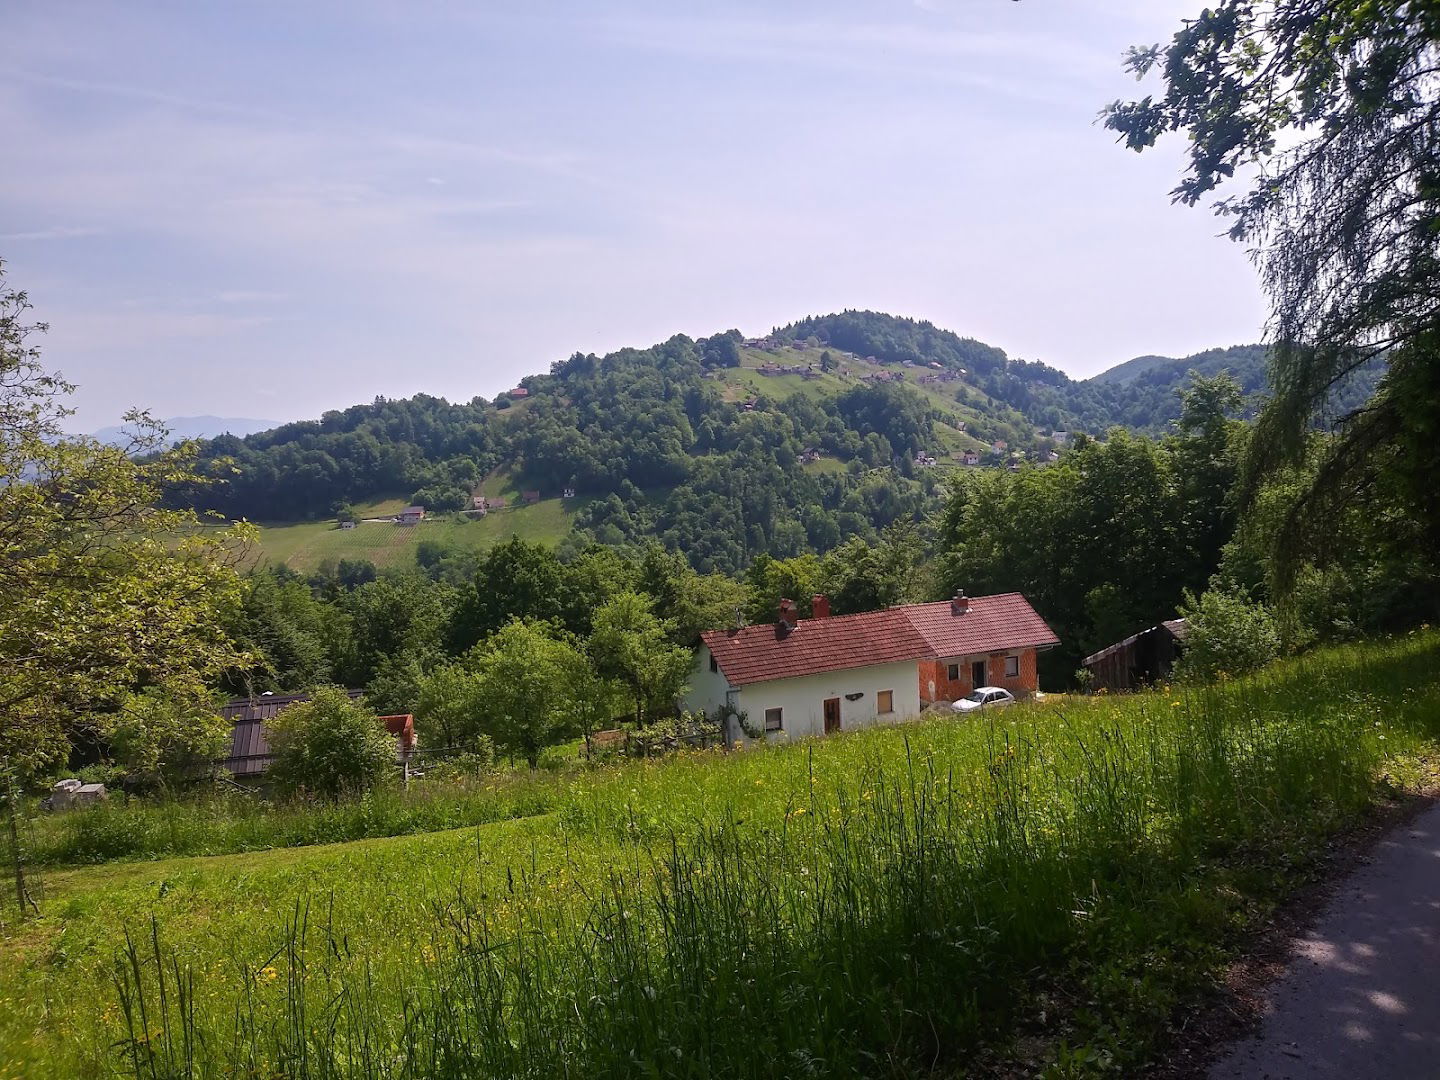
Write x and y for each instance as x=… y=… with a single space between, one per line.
x=305 y=546
x=1043 y=890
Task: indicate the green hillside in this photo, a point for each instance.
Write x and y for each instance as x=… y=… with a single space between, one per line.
x=723 y=447
x=310 y=545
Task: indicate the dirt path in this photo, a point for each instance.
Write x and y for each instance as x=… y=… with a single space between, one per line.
x=1361 y=994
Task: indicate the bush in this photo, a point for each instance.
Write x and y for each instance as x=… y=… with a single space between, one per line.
x=160 y=743
x=329 y=745
x=1229 y=635
x=472 y=764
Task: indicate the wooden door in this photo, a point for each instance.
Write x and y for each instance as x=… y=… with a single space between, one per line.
x=977 y=674
x=832 y=715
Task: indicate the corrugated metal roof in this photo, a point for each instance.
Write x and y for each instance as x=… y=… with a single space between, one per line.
x=917 y=632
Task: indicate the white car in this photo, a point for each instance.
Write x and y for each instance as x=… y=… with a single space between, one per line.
x=984 y=697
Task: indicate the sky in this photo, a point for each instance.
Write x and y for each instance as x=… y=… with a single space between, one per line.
x=266 y=208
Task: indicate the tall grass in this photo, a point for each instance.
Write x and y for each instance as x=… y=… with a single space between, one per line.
x=237 y=822
x=1046 y=886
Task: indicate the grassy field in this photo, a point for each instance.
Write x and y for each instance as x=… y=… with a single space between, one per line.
x=306 y=545
x=1048 y=888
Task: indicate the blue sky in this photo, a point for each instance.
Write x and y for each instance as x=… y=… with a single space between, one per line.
x=274 y=208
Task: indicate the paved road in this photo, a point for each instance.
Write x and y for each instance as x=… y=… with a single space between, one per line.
x=1361 y=997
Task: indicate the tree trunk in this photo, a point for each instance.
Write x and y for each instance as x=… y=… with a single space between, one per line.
x=21 y=896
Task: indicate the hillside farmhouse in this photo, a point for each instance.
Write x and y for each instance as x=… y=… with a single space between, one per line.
x=825 y=674
x=411 y=515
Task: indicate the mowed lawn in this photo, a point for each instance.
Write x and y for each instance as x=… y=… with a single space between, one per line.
x=1105 y=851
x=305 y=546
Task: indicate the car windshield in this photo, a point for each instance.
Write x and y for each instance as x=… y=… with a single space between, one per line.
x=976 y=697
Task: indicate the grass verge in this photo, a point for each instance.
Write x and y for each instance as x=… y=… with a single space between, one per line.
x=1046 y=891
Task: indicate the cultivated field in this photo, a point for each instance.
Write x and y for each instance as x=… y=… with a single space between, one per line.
x=1046 y=886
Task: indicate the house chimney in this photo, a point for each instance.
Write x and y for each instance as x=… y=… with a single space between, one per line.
x=789 y=616
x=820 y=606
x=961 y=604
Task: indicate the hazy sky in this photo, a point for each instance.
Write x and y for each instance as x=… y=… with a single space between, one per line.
x=273 y=208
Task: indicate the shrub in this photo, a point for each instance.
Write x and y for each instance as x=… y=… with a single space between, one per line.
x=1229 y=635
x=472 y=764
x=161 y=743
x=329 y=745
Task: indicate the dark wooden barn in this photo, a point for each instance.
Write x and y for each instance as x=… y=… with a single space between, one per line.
x=1142 y=659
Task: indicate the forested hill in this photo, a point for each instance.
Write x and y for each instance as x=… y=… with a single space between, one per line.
x=722 y=447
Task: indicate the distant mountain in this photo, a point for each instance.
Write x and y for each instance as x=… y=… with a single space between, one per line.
x=194 y=427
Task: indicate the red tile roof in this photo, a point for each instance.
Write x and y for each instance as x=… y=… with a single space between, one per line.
x=918 y=632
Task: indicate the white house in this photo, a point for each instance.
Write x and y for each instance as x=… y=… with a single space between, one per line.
x=816 y=676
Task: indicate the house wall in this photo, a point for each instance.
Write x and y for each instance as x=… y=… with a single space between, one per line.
x=802 y=700
x=936 y=685
x=707 y=688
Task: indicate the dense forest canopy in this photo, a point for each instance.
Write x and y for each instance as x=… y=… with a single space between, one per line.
x=664 y=447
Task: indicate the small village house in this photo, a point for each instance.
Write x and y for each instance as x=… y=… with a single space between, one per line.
x=411 y=515
x=519 y=392
x=816 y=676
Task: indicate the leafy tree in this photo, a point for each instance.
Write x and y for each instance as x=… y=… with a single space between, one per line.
x=160 y=743
x=630 y=645
x=1206 y=453
x=450 y=706
x=101 y=598
x=860 y=576
x=1334 y=110
x=1094 y=541
x=535 y=689
x=516 y=580
x=329 y=745
x=768 y=581
x=1228 y=635
x=292 y=639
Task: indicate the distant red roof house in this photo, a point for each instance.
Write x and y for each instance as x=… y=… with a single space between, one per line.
x=827 y=673
x=402 y=726
x=411 y=515
x=519 y=392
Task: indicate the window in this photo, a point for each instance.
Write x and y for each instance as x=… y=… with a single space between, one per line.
x=885 y=702
x=772 y=719
x=714 y=664
x=953 y=673
x=1012 y=666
